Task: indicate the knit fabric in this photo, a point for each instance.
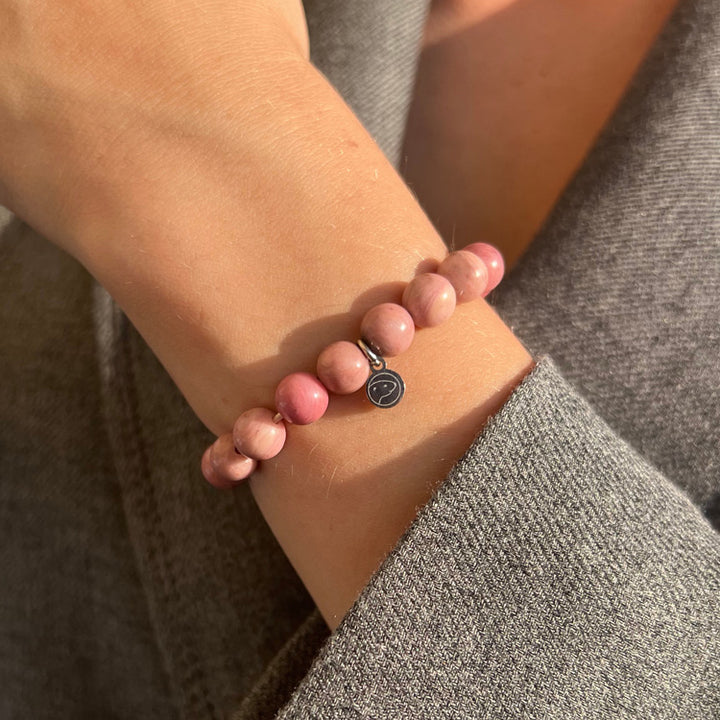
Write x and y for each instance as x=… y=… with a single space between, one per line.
x=75 y=637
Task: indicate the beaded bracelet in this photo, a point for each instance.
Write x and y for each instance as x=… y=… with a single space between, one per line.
x=344 y=367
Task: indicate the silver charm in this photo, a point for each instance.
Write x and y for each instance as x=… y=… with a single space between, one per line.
x=384 y=388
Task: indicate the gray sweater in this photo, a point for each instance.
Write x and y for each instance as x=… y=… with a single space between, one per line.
x=568 y=566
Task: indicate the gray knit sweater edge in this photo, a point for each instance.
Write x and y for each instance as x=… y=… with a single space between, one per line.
x=548 y=515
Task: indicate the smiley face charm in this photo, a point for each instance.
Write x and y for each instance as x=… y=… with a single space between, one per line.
x=384 y=388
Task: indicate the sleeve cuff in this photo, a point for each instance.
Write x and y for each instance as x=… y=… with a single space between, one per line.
x=555 y=573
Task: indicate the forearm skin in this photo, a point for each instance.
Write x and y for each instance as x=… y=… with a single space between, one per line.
x=240 y=244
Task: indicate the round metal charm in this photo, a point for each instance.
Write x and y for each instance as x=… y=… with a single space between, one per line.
x=384 y=388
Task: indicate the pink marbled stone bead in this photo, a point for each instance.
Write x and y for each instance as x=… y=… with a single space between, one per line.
x=467 y=273
x=342 y=367
x=493 y=260
x=388 y=328
x=430 y=299
x=257 y=436
x=301 y=398
x=228 y=463
x=209 y=473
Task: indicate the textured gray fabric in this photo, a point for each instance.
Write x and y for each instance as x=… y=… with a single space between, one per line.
x=75 y=637
x=285 y=672
x=555 y=574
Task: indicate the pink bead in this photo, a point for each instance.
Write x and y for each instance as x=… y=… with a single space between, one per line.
x=342 y=367
x=493 y=259
x=227 y=462
x=388 y=328
x=430 y=299
x=467 y=273
x=209 y=473
x=257 y=436
x=301 y=398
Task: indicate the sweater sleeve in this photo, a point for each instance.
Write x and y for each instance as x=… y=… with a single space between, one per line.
x=554 y=574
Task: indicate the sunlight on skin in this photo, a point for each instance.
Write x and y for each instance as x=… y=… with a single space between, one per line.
x=533 y=82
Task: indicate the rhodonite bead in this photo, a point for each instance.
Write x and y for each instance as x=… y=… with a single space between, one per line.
x=493 y=260
x=227 y=462
x=467 y=273
x=209 y=473
x=342 y=367
x=430 y=299
x=388 y=328
x=301 y=398
x=257 y=436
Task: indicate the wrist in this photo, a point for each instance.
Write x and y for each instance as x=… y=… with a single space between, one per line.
x=239 y=268
x=238 y=259
x=344 y=489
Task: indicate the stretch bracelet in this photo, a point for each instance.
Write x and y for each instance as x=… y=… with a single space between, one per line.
x=344 y=367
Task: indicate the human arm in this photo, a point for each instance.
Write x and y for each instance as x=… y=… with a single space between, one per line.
x=387 y=613
x=243 y=218
x=533 y=83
